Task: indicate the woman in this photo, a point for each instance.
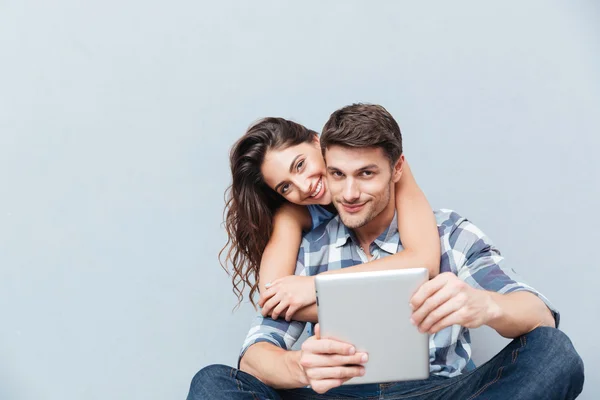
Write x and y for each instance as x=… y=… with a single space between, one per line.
x=279 y=191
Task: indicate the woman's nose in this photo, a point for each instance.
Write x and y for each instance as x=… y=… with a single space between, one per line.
x=302 y=184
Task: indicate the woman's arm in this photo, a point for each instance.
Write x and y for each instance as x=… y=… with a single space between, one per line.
x=418 y=232
x=279 y=258
x=279 y=261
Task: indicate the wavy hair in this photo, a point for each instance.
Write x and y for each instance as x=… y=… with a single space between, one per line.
x=250 y=203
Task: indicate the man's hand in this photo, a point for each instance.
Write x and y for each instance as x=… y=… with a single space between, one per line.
x=446 y=300
x=328 y=363
x=288 y=294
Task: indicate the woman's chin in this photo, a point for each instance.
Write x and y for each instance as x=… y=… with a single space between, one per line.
x=325 y=200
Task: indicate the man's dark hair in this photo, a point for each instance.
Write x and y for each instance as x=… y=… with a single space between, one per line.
x=363 y=125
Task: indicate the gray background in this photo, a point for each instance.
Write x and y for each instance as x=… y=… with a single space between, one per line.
x=115 y=124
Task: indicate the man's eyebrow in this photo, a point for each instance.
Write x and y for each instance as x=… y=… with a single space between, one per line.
x=370 y=166
x=366 y=167
x=294 y=162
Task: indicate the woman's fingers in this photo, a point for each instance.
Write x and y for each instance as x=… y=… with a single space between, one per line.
x=279 y=309
x=266 y=295
x=269 y=305
x=290 y=312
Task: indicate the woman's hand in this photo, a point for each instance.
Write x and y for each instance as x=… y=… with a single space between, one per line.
x=289 y=293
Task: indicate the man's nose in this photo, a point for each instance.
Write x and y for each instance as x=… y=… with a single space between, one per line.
x=351 y=192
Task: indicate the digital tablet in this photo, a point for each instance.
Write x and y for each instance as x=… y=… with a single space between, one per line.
x=371 y=311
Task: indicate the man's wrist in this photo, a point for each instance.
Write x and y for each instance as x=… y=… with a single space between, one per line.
x=295 y=369
x=493 y=310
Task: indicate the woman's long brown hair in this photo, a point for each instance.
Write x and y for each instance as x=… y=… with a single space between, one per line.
x=250 y=204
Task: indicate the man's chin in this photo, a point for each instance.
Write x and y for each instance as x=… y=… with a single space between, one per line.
x=353 y=221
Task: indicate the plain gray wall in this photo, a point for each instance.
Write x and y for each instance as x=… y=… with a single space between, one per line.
x=115 y=123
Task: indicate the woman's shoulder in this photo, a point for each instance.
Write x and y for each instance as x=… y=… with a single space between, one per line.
x=319 y=215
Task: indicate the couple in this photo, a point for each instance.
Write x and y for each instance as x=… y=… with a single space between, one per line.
x=349 y=202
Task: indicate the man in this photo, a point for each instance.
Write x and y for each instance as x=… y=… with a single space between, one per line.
x=362 y=148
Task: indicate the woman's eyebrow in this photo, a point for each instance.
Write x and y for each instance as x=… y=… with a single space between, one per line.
x=294 y=161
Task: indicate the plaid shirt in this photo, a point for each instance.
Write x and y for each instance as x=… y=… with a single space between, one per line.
x=466 y=251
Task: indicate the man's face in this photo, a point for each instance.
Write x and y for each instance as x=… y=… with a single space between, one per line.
x=360 y=181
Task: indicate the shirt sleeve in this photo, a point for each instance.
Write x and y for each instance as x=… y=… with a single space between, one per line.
x=278 y=332
x=479 y=263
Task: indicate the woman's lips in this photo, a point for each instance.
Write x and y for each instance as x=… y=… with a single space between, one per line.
x=321 y=191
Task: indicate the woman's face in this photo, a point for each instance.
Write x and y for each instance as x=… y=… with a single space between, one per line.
x=297 y=173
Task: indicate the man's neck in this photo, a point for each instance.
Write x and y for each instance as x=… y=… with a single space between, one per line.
x=368 y=233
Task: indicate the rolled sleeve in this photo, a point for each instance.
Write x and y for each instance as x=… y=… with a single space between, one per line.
x=481 y=265
x=278 y=332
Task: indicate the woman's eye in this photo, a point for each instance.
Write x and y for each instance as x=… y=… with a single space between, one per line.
x=299 y=165
x=285 y=188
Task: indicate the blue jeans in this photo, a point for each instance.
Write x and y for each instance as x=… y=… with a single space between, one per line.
x=542 y=364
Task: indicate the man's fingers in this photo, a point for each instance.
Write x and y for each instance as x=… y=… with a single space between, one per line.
x=345 y=372
x=449 y=320
x=447 y=308
x=325 y=385
x=335 y=360
x=431 y=303
x=328 y=346
x=427 y=289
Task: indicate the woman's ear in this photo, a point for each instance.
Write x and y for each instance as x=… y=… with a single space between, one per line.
x=397 y=172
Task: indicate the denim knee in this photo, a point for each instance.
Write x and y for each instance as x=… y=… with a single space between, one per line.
x=209 y=378
x=557 y=353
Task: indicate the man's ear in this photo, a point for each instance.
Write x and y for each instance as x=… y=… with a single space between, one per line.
x=398 y=167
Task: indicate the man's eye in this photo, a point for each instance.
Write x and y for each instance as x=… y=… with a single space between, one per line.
x=337 y=174
x=367 y=173
x=299 y=165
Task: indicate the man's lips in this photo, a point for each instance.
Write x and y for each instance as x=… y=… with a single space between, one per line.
x=353 y=208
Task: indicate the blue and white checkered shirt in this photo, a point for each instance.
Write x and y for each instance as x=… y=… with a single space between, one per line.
x=466 y=252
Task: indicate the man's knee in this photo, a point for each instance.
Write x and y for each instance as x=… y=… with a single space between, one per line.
x=209 y=379
x=558 y=353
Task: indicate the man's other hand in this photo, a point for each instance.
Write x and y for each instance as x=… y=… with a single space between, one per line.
x=328 y=363
x=446 y=300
